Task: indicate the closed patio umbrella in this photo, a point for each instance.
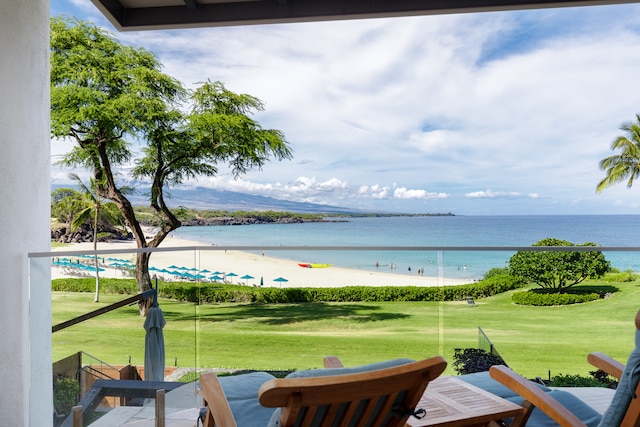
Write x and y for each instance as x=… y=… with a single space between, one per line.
x=154 y=357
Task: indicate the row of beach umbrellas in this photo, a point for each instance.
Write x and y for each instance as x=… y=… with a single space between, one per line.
x=184 y=272
x=215 y=276
x=75 y=265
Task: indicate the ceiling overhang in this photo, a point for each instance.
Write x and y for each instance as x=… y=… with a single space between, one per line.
x=166 y=14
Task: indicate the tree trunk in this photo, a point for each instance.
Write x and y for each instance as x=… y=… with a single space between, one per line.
x=107 y=188
x=144 y=280
x=96 y=298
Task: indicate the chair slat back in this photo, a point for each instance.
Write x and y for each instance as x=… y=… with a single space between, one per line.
x=381 y=398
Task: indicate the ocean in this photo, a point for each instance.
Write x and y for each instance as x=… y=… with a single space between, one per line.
x=604 y=230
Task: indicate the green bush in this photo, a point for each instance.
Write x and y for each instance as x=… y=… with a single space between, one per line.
x=216 y=293
x=575 y=381
x=538 y=297
x=88 y=284
x=472 y=360
x=620 y=276
x=496 y=271
x=604 y=378
x=65 y=394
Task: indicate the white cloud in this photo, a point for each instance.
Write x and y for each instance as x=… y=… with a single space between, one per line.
x=530 y=100
x=490 y=194
x=374 y=191
x=404 y=193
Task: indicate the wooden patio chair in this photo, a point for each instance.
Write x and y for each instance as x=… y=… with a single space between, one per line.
x=624 y=410
x=383 y=394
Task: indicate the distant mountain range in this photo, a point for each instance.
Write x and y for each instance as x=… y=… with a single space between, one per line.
x=205 y=198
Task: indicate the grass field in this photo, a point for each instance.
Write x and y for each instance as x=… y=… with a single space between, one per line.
x=533 y=340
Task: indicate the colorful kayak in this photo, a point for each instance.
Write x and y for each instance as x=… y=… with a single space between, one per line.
x=310 y=265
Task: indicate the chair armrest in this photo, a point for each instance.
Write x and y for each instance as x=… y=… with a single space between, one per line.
x=536 y=396
x=607 y=364
x=219 y=412
x=332 y=362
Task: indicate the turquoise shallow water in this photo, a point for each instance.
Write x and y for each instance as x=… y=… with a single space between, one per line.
x=604 y=230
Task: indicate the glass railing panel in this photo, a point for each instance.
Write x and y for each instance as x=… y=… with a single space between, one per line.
x=101 y=335
x=240 y=334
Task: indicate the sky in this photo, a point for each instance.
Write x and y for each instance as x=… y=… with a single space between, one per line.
x=501 y=113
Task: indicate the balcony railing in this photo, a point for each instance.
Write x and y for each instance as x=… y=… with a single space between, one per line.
x=200 y=262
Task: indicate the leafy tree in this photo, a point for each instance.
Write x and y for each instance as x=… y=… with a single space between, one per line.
x=105 y=95
x=558 y=270
x=626 y=164
x=93 y=210
x=65 y=204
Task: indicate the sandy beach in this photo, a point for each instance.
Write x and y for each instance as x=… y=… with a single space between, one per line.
x=239 y=263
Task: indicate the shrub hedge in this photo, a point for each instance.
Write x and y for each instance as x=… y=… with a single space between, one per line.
x=216 y=293
x=88 y=284
x=538 y=298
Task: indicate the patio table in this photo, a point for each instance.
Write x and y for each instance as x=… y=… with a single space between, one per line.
x=452 y=402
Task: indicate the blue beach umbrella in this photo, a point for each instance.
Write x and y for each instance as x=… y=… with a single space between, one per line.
x=247 y=277
x=281 y=280
x=215 y=278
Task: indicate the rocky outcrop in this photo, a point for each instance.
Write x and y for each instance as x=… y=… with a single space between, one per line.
x=63 y=234
x=225 y=220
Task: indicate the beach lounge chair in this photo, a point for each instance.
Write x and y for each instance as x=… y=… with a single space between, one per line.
x=380 y=394
x=558 y=407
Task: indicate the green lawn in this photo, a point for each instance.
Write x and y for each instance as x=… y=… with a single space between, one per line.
x=533 y=340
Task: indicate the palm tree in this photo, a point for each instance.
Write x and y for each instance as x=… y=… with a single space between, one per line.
x=626 y=164
x=94 y=209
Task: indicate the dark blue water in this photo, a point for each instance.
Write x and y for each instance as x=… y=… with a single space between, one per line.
x=604 y=230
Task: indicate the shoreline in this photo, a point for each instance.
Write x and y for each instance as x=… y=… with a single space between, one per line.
x=258 y=266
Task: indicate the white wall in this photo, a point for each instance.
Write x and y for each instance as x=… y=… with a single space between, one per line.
x=24 y=211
